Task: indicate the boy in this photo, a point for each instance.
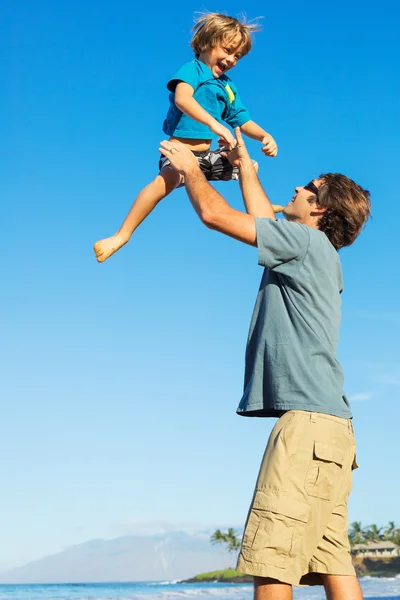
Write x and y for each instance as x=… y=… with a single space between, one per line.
x=201 y=97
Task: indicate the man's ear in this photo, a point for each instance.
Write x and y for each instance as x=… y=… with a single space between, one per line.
x=318 y=210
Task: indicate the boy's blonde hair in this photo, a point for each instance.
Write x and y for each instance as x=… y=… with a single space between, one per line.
x=211 y=29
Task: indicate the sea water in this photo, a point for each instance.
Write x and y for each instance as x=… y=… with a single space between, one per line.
x=373 y=588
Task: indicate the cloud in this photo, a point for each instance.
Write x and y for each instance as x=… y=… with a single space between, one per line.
x=136 y=527
x=150 y=528
x=360 y=396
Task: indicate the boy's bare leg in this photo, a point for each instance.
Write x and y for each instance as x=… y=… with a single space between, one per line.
x=145 y=202
x=342 y=587
x=266 y=588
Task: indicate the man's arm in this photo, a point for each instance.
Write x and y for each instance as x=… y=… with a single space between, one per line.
x=215 y=212
x=255 y=199
x=210 y=206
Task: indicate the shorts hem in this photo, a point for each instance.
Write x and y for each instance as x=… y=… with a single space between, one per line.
x=309 y=578
x=262 y=570
x=315 y=567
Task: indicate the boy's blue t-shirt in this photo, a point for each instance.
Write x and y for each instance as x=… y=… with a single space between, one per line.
x=218 y=96
x=291 y=361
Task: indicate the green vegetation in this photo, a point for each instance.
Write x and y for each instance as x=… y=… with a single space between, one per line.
x=373 y=567
x=230 y=539
x=376 y=567
x=357 y=535
x=372 y=533
x=225 y=575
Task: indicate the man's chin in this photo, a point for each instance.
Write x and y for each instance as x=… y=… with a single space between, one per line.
x=286 y=214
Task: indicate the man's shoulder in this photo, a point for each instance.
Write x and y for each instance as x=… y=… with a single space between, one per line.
x=308 y=243
x=319 y=239
x=284 y=227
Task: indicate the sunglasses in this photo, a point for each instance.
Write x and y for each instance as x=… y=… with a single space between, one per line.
x=311 y=188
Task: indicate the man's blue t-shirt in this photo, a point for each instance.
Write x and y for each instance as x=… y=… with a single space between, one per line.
x=218 y=96
x=291 y=359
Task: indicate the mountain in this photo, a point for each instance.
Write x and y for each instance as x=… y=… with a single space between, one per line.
x=176 y=555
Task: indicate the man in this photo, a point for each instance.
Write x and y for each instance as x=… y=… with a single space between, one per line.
x=296 y=531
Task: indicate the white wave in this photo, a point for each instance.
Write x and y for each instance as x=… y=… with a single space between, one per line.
x=193 y=592
x=231 y=592
x=380 y=579
x=373 y=587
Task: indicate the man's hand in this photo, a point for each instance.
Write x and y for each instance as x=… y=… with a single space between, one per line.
x=239 y=153
x=180 y=157
x=225 y=135
x=270 y=147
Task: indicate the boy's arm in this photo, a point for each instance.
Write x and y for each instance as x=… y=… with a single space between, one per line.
x=254 y=131
x=187 y=104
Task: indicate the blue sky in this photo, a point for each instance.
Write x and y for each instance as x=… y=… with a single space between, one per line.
x=119 y=382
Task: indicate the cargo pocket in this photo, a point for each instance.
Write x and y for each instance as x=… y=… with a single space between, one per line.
x=323 y=471
x=270 y=534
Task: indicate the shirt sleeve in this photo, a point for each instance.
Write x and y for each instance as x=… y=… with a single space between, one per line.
x=235 y=114
x=282 y=245
x=188 y=73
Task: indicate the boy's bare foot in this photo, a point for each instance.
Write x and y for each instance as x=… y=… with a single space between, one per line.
x=105 y=248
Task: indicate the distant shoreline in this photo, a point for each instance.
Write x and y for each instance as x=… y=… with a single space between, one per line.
x=365 y=567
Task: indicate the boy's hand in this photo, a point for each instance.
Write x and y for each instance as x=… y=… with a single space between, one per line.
x=224 y=134
x=270 y=147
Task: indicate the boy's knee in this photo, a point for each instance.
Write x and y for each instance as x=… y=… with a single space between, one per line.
x=172 y=177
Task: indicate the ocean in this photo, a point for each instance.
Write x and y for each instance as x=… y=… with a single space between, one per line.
x=373 y=588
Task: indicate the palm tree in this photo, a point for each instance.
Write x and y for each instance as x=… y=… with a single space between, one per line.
x=217 y=537
x=356 y=533
x=373 y=533
x=390 y=531
x=396 y=537
x=233 y=540
x=229 y=538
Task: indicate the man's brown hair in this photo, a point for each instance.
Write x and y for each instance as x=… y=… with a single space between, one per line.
x=348 y=209
x=211 y=29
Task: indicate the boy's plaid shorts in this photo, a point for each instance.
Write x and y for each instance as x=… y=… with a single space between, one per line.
x=214 y=166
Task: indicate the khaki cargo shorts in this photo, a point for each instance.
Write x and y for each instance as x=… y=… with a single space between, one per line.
x=297 y=526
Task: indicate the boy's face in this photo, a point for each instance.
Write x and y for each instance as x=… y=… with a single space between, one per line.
x=222 y=57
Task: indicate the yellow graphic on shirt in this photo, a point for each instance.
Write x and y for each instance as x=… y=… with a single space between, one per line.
x=231 y=95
